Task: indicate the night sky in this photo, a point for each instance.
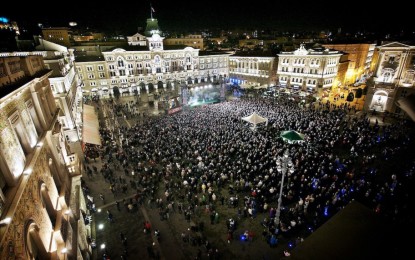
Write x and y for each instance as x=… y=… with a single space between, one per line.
x=192 y=15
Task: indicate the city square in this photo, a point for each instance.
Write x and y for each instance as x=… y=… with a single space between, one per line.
x=232 y=131
x=178 y=231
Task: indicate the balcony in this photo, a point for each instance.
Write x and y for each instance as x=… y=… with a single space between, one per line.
x=63 y=229
x=385 y=85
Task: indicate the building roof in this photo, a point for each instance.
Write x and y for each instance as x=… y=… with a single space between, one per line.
x=395 y=45
x=89 y=58
x=207 y=53
x=145 y=48
x=7 y=89
x=253 y=53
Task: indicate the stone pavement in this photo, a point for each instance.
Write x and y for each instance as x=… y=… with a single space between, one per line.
x=142 y=245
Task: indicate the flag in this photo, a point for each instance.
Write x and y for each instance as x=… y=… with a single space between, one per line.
x=152 y=9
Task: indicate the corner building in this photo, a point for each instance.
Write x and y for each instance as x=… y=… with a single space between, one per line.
x=308 y=70
x=42 y=207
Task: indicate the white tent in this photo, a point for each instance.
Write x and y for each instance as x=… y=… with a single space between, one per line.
x=255 y=119
x=90 y=129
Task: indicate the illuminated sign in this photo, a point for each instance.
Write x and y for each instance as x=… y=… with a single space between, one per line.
x=174 y=110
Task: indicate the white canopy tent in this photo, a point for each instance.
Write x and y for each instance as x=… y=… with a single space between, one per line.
x=255 y=119
x=90 y=129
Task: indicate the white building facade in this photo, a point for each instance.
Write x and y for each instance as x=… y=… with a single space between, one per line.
x=394 y=77
x=137 y=40
x=150 y=70
x=252 y=71
x=308 y=70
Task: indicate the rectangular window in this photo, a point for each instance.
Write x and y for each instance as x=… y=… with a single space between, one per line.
x=100 y=67
x=89 y=68
x=101 y=75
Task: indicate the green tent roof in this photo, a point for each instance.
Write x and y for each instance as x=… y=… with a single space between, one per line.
x=292 y=135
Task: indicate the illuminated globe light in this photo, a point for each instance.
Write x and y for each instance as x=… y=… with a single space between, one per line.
x=73 y=23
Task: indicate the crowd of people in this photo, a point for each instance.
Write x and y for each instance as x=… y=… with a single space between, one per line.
x=193 y=161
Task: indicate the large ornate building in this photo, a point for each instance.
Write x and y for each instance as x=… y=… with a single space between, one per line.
x=394 y=78
x=151 y=69
x=308 y=70
x=42 y=207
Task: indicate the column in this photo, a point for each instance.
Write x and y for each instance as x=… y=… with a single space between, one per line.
x=40 y=110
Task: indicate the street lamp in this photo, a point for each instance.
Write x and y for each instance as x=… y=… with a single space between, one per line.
x=284 y=165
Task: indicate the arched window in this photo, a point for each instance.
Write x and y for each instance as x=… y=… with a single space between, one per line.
x=120 y=62
x=409 y=76
x=35 y=249
x=387 y=75
x=47 y=202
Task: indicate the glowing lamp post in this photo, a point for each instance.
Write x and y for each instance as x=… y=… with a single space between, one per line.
x=284 y=165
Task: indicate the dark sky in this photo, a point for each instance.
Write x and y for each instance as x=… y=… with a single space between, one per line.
x=183 y=14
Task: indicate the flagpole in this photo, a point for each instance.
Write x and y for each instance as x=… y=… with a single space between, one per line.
x=151 y=11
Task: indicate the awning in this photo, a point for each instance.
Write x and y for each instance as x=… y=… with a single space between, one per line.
x=90 y=130
x=94 y=90
x=105 y=88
